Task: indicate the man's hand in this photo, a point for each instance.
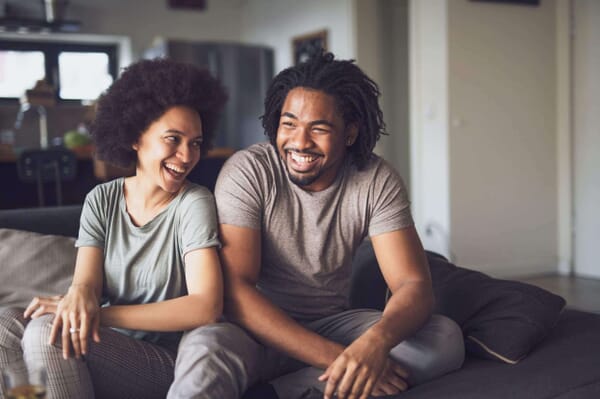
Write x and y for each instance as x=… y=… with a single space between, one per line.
x=362 y=368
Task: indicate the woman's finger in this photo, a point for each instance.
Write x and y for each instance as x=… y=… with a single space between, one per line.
x=74 y=331
x=66 y=337
x=96 y=328
x=84 y=333
x=33 y=305
x=54 y=331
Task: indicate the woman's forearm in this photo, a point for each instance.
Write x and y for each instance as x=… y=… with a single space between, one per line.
x=178 y=314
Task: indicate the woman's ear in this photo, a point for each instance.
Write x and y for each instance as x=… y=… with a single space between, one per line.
x=135 y=146
x=351 y=134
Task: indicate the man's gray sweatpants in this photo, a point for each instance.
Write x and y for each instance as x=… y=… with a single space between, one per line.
x=222 y=360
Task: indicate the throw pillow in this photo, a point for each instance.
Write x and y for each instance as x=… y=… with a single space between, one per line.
x=501 y=319
x=33 y=264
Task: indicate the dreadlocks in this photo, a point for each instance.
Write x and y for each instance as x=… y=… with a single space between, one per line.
x=356 y=96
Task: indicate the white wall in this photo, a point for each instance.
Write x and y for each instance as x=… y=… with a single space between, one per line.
x=275 y=23
x=394 y=83
x=143 y=20
x=502 y=137
x=430 y=190
x=587 y=137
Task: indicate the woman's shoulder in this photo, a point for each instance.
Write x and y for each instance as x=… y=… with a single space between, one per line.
x=106 y=191
x=194 y=192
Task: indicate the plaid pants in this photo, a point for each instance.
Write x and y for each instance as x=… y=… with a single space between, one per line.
x=117 y=367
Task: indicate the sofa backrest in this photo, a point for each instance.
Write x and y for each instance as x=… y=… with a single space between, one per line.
x=58 y=220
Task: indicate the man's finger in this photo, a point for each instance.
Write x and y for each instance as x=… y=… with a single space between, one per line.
x=368 y=388
x=398 y=370
x=335 y=373
x=346 y=384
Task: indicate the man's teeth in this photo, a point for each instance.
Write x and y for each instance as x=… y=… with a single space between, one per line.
x=174 y=168
x=302 y=158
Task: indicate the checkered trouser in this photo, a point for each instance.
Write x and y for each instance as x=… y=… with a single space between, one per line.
x=117 y=367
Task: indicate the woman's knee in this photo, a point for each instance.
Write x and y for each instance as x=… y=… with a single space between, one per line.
x=12 y=328
x=37 y=335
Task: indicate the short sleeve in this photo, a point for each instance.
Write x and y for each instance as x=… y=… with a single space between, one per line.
x=238 y=191
x=390 y=208
x=92 y=223
x=198 y=221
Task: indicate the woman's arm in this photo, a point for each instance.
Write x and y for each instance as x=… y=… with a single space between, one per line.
x=202 y=305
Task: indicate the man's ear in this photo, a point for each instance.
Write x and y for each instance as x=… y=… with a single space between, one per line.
x=351 y=134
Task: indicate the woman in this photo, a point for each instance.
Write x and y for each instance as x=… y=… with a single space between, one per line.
x=147 y=266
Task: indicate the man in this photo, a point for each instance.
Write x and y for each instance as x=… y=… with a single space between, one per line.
x=292 y=213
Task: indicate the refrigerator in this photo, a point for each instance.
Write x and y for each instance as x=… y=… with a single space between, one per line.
x=245 y=71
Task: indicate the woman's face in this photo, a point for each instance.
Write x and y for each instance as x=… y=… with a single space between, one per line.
x=170 y=148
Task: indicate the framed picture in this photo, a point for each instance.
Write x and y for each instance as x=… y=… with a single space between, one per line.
x=187 y=4
x=522 y=2
x=303 y=47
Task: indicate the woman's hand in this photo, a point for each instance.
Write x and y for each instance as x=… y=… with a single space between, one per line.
x=77 y=317
x=41 y=305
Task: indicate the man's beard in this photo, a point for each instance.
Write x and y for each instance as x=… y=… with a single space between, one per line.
x=302 y=180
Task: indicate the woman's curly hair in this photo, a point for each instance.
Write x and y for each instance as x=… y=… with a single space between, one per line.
x=142 y=94
x=355 y=94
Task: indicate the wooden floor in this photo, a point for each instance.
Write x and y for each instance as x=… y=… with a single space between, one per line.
x=580 y=293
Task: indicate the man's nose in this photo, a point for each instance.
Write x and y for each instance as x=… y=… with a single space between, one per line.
x=302 y=139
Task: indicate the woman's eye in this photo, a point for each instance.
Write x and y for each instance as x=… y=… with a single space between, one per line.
x=197 y=144
x=172 y=139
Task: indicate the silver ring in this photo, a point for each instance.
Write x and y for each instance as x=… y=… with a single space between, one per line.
x=73 y=330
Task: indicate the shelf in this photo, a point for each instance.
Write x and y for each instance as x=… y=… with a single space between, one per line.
x=36 y=25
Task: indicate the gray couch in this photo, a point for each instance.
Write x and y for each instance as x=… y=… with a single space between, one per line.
x=520 y=342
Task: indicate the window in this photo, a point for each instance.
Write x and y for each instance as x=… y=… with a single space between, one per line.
x=77 y=71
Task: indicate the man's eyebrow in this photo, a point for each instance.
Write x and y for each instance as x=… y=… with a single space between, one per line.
x=322 y=122
x=289 y=115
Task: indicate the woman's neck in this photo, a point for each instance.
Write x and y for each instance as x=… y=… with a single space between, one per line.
x=144 y=201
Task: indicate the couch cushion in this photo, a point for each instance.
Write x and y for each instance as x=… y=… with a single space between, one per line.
x=34 y=264
x=501 y=319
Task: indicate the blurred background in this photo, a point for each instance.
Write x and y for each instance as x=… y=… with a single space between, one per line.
x=492 y=106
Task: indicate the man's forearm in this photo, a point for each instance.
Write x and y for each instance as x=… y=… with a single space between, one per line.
x=405 y=312
x=270 y=325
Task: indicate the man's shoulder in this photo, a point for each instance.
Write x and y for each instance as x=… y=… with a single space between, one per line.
x=375 y=168
x=257 y=160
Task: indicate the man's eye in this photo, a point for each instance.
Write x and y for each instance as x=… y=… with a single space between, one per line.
x=287 y=124
x=197 y=143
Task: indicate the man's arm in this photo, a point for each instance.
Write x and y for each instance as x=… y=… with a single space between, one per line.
x=357 y=371
x=241 y=261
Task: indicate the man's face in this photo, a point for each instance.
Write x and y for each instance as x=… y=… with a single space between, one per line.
x=312 y=138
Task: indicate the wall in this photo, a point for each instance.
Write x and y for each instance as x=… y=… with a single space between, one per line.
x=275 y=23
x=502 y=136
x=586 y=137
x=144 y=20
x=430 y=192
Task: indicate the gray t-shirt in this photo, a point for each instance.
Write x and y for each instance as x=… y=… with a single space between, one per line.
x=309 y=238
x=145 y=264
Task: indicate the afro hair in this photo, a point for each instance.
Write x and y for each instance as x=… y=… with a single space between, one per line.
x=142 y=94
